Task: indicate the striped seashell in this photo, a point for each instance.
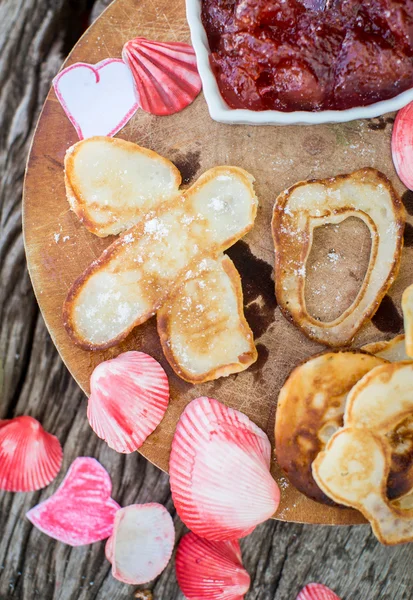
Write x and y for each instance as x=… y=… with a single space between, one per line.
x=219 y=468
x=208 y=570
x=30 y=457
x=129 y=397
x=316 y=591
x=165 y=74
x=402 y=145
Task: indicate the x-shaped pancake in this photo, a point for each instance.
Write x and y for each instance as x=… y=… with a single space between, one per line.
x=169 y=237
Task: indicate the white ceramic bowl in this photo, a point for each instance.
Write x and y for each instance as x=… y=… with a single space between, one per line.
x=220 y=111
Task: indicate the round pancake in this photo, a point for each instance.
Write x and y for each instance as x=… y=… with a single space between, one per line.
x=400 y=481
x=310 y=409
x=393 y=350
x=383 y=403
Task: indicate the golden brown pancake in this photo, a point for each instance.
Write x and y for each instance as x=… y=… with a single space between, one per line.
x=400 y=438
x=383 y=402
x=393 y=350
x=202 y=327
x=355 y=467
x=134 y=276
x=366 y=194
x=407 y=306
x=310 y=409
x=111 y=184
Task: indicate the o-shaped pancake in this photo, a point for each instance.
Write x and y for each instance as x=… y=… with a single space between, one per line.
x=366 y=194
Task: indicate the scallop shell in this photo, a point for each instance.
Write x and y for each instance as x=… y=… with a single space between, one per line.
x=316 y=591
x=165 y=74
x=142 y=543
x=81 y=511
x=130 y=395
x=208 y=570
x=109 y=549
x=402 y=145
x=219 y=469
x=30 y=457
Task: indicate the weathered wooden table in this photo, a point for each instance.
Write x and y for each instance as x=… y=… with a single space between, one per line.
x=35 y=36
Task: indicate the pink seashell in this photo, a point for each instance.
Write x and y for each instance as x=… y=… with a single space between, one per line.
x=219 y=469
x=109 y=549
x=210 y=570
x=165 y=74
x=402 y=145
x=142 y=543
x=30 y=457
x=130 y=395
x=316 y=591
x=81 y=510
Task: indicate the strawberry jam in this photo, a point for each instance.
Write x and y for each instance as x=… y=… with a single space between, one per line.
x=309 y=54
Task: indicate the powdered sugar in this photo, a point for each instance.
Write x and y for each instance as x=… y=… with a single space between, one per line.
x=156 y=228
x=300 y=271
x=124 y=312
x=187 y=220
x=333 y=256
x=216 y=204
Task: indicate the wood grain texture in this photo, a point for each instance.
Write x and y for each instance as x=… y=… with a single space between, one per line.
x=59 y=248
x=35 y=36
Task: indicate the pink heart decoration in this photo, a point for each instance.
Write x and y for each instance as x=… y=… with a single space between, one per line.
x=98 y=99
x=81 y=511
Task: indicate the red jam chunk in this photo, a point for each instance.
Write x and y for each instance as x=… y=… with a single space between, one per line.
x=309 y=54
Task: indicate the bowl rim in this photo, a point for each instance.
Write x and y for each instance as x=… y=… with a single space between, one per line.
x=220 y=111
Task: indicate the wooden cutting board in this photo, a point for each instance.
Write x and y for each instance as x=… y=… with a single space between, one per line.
x=59 y=248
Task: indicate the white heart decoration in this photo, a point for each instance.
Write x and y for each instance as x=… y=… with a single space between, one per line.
x=98 y=99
